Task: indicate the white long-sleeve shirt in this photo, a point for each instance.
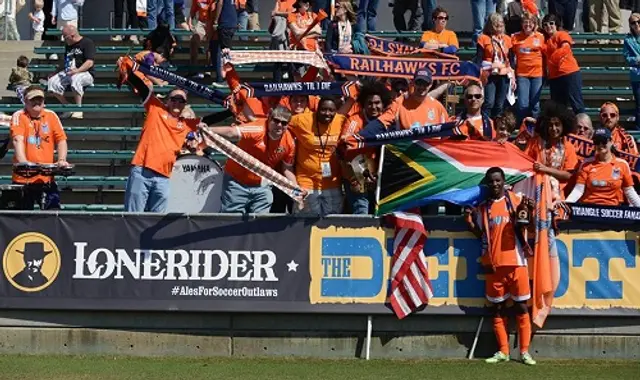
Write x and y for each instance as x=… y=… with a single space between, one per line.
x=66 y=9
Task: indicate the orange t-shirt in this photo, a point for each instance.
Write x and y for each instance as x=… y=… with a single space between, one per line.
x=411 y=114
x=202 y=9
x=445 y=37
x=528 y=51
x=303 y=22
x=255 y=141
x=554 y=156
x=473 y=128
x=162 y=138
x=504 y=248
x=604 y=181
x=560 y=59
x=488 y=48
x=40 y=139
x=316 y=146
x=285 y=6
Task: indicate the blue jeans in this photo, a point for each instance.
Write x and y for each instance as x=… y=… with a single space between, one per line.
x=480 y=11
x=243 y=22
x=238 y=198
x=528 y=92
x=146 y=191
x=636 y=95
x=427 y=9
x=153 y=10
x=495 y=94
x=367 y=14
x=358 y=202
x=567 y=90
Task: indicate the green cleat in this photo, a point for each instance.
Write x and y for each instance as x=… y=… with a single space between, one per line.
x=498 y=357
x=527 y=359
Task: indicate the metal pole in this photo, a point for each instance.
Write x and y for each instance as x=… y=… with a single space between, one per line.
x=7 y=5
x=368 y=339
x=475 y=339
x=379 y=181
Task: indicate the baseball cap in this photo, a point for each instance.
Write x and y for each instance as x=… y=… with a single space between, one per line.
x=422 y=74
x=34 y=94
x=601 y=135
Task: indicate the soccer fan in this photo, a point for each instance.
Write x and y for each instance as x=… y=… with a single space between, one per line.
x=35 y=133
x=367 y=15
x=270 y=143
x=505 y=124
x=584 y=127
x=597 y=19
x=554 y=154
x=610 y=118
x=299 y=21
x=563 y=72
x=200 y=10
x=631 y=51
x=504 y=257
x=473 y=122
x=373 y=99
x=317 y=167
x=340 y=31
x=527 y=48
x=223 y=21
x=439 y=38
x=163 y=134
x=494 y=48
x=604 y=179
x=416 y=108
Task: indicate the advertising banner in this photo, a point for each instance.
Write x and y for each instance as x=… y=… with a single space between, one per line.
x=278 y=264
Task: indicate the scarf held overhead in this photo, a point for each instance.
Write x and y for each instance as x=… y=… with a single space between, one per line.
x=381 y=46
x=258 y=90
x=302 y=57
x=401 y=67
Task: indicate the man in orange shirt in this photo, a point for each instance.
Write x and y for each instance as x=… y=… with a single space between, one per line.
x=472 y=122
x=504 y=257
x=272 y=144
x=317 y=168
x=610 y=118
x=299 y=21
x=163 y=134
x=417 y=108
x=35 y=133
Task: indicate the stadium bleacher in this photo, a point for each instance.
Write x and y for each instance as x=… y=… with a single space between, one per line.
x=102 y=144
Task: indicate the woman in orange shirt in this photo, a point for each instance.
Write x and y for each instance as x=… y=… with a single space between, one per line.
x=494 y=48
x=527 y=48
x=563 y=72
x=439 y=38
x=604 y=179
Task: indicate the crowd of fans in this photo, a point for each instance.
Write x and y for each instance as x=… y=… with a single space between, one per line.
x=299 y=135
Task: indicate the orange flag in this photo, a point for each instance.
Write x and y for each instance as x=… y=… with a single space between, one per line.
x=542 y=275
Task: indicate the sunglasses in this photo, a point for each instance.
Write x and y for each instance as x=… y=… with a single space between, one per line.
x=549 y=23
x=474 y=96
x=280 y=122
x=178 y=99
x=442 y=18
x=609 y=115
x=637 y=22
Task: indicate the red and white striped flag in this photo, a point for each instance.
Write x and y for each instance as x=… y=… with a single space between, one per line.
x=410 y=285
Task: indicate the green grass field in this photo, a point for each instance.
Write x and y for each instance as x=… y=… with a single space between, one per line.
x=121 y=368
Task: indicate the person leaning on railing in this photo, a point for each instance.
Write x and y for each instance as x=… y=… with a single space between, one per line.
x=631 y=51
x=440 y=38
x=604 y=179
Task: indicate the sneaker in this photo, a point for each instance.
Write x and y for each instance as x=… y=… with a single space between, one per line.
x=134 y=39
x=527 y=359
x=197 y=76
x=77 y=115
x=497 y=358
x=116 y=38
x=53 y=57
x=219 y=84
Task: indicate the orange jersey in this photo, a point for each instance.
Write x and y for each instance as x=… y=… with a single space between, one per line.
x=604 y=181
x=473 y=128
x=623 y=141
x=447 y=37
x=303 y=22
x=496 y=46
x=411 y=114
x=528 y=51
x=202 y=9
x=559 y=56
x=40 y=139
x=504 y=248
x=353 y=125
x=255 y=141
x=561 y=157
x=162 y=138
x=317 y=166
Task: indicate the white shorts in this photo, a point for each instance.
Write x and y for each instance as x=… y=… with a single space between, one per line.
x=61 y=81
x=200 y=28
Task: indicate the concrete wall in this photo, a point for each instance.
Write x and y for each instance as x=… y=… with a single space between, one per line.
x=326 y=336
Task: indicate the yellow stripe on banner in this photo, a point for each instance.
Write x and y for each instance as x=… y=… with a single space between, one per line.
x=428 y=177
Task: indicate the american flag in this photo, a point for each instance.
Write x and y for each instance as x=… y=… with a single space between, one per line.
x=410 y=285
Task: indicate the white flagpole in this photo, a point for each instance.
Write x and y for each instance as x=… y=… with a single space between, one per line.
x=379 y=181
x=368 y=340
x=475 y=339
